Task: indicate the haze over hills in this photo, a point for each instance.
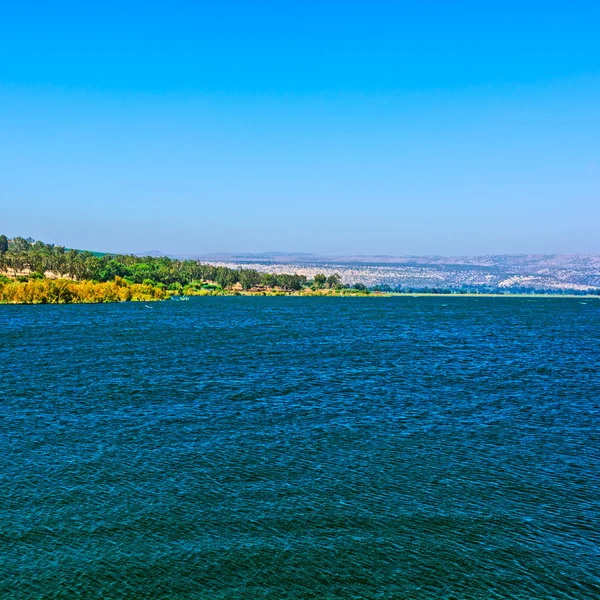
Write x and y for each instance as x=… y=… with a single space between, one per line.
x=576 y=272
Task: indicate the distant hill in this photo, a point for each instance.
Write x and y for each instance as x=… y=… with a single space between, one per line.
x=154 y=253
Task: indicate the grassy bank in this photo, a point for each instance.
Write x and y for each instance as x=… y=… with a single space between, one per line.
x=67 y=291
x=64 y=291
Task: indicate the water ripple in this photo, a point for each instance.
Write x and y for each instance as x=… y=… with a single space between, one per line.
x=301 y=448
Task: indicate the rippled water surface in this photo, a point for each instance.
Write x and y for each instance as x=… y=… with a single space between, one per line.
x=301 y=448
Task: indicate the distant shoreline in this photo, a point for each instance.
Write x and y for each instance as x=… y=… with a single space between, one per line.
x=37 y=273
x=470 y=295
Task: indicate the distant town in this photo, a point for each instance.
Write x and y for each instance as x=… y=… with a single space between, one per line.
x=511 y=273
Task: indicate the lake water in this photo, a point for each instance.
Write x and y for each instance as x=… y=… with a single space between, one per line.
x=301 y=448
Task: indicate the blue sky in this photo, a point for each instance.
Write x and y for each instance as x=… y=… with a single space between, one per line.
x=381 y=127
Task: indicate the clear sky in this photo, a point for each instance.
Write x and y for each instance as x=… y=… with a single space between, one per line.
x=375 y=127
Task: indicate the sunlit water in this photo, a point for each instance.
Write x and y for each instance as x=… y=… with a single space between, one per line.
x=301 y=448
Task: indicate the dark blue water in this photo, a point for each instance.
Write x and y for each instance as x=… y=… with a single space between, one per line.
x=301 y=448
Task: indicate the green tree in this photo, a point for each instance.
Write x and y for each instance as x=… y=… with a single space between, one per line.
x=112 y=269
x=15 y=260
x=20 y=245
x=291 y=282
x=334 y=281
x=268 y=280
x=3 y=244
x=226 y=277
x=36 y=261
x=249 y=278
x=320 y=280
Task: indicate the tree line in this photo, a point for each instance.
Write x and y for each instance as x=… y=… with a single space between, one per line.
x=20 y=254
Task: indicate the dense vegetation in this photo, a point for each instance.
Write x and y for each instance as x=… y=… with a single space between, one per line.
x=33 y=265
x=63 y=291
